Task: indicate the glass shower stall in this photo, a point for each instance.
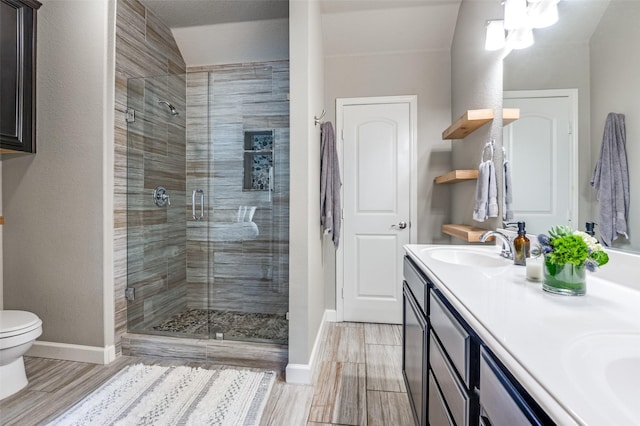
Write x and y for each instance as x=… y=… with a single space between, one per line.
x=208 y=203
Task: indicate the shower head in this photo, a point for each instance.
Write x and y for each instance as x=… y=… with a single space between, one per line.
x=171 y=107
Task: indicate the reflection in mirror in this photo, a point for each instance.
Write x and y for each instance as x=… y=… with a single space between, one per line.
x=539 y=152
x=577 y=72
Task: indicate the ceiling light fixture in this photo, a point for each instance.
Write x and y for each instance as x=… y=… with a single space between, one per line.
x=521 y=38
x=520 y=18
x=515 y=14
x=543 y=14
x=495 y=39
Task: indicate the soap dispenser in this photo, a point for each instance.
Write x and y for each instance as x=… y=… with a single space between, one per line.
x=521 y=246
x=590 y=228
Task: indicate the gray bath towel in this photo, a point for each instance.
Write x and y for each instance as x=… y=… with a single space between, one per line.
x=486 y=193
x=508 y=191
x=330 y=183
x=611 y=180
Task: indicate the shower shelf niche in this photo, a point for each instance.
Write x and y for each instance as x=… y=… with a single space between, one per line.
x=258 y=160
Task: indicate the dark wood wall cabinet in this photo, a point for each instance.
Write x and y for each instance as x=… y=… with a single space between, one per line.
x=17 y=76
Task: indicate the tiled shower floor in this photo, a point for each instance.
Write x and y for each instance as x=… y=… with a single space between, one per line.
x=271 y=328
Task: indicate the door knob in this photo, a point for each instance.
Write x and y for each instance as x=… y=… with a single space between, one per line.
x=400 y=225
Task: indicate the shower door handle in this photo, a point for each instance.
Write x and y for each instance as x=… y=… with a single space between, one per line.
x=193 y=204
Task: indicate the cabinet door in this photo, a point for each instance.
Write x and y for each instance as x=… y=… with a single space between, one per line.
x=17 y=56
x=502 y=403
x=437 y=408
x=414 y=355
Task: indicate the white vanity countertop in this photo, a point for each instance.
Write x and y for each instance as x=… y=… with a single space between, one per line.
x=578 y=356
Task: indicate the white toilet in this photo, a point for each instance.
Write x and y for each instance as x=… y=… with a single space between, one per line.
x=18 y=331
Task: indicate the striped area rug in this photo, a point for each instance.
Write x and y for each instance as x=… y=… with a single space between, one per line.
x=154 y=395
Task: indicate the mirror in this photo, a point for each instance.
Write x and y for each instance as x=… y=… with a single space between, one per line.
x=578 y=71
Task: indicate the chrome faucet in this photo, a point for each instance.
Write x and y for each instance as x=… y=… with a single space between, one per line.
x=507 y=245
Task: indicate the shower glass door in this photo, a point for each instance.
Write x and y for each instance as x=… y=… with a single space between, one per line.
x=158 y=207
x=249 y=223
x=208 y=203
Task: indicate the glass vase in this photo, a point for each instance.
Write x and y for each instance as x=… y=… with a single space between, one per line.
x=567 y=279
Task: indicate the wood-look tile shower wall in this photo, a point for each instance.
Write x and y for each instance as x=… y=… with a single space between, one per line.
x=246 y=274
x=145 y=47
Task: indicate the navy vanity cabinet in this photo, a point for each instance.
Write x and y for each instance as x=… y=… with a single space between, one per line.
x=414 y=355
x=502 y=400
x=452 y=376
x=415 y=332
x=453 y=364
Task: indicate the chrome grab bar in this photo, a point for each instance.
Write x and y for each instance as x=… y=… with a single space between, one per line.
x=193 y=203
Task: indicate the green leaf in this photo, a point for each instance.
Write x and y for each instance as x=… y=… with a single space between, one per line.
x=601 y=257
x=560 y=231
x=568 y=249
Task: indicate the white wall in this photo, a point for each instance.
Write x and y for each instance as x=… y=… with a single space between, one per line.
x=476 y=84
x=306 y=278
x=233 y=43
x=426 y=74
x=57 y=203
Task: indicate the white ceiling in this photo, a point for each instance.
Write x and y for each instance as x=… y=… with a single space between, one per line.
x=350 y=27
x=190 y=13
x=416 y=26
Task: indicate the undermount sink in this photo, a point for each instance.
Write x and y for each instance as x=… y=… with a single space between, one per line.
x=467 y=257
x=613 y=364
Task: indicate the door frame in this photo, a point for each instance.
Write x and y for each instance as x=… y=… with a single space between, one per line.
x=341 y=103
x=574 y=162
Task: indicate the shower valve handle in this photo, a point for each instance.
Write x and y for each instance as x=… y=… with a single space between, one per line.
x=160 y=197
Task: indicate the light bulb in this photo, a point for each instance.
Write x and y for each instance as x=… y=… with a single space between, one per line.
x=495 y=35
x=515 y=14
x=544 y=14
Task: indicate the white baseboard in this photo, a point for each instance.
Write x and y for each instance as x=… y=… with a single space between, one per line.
x=69 y=352
x=302 y=374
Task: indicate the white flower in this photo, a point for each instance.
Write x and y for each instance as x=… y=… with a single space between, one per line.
x=591 y=242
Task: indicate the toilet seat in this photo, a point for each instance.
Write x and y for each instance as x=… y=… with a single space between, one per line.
x=15 y=323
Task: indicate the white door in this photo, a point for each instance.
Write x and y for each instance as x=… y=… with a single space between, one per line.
x=539 y=146
x=377 y=167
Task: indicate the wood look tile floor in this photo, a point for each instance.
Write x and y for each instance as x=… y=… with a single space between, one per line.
x=358 y=382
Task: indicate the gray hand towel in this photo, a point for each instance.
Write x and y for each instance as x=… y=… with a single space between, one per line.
x=611 y=180
x=480 y=209
x=330 y=183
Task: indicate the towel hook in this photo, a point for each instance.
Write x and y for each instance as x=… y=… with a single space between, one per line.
x=491 y=146
x=317 y=120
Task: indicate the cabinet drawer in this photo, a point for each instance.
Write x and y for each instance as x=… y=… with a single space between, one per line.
x=438 y=413
x=453 y=336
x=453 y=390
x=502 y=404
x=417 y=283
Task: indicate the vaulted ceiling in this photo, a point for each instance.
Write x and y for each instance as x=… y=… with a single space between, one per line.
x=349 y=26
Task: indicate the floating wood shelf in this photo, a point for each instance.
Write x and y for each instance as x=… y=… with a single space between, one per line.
x=455 y=176
x=470 y=121
x=467 y=233
x=509 y=115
